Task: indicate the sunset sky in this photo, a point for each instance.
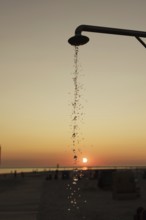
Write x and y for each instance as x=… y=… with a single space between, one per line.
x=36 y=87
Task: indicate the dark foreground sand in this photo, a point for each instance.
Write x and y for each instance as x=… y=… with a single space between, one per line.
x=19 y=197
x=34 y=198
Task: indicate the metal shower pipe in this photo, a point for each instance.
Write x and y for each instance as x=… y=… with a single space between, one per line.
x=80 y=39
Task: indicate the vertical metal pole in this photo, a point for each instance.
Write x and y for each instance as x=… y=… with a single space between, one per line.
x=0 y=154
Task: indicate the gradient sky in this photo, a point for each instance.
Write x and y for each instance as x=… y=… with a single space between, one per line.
x=36 y=66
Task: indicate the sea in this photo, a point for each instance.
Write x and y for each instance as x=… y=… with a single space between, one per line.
x=10 y=170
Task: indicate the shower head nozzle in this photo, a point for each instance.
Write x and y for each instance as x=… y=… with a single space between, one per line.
x=78 y=40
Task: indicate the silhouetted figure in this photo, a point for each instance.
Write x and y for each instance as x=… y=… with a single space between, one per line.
x=96 y=174
x=139 y=214
x=56 y=175
x=50 y=176
x=144 y=215
x=15 y=174
x=22 y=174
x=144 y=175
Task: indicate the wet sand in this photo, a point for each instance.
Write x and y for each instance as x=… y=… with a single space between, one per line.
x=34 y=197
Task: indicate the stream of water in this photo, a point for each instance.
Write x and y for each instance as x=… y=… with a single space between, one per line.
x=76 y=137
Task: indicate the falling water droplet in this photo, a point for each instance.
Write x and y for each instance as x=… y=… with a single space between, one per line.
x=75 y=157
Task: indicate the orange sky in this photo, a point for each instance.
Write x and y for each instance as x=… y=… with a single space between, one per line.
x=36 y=88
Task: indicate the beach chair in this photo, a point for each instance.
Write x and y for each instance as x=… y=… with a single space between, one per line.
x=124 y=185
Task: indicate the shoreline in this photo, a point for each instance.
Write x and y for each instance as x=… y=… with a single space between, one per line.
x=10 y=170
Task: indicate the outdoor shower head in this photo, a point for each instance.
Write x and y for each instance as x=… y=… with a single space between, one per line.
x=78 y=40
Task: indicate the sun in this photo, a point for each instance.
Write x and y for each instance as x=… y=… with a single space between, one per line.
x=85 y=160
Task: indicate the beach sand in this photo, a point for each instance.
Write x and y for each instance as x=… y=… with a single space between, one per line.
x=19 y=197
x=34 y=198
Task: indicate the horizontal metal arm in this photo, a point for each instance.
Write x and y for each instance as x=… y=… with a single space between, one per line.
x=107 y=30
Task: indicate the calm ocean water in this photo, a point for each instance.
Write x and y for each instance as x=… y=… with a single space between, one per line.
x=40 y=169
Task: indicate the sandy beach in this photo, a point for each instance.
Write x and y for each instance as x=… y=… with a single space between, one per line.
x=36 y=197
